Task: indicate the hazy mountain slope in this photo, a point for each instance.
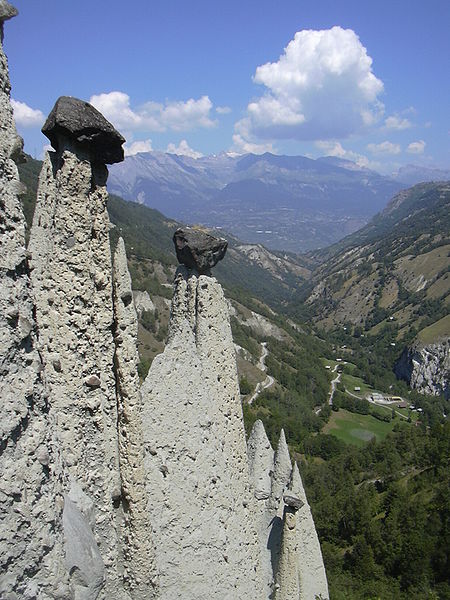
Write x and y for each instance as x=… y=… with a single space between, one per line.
x=394 y=270
x=285 y=202
x=411 y=174
x=270 y=276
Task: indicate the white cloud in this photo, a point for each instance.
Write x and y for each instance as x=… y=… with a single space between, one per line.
x=333 y=148
x=322 y=87
x=183 y=149
x=115 y=106
x=46 y=148
x=243 y=146
x=416 y=147
x=25 y=116
x=139 y=146
x=223 y=110
x=154 y=116
x=397 y=123
x=384 y=148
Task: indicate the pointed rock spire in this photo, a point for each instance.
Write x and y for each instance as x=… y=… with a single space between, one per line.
x=261 y=461
x=296 y=484
x=72 y=283
x=310 y=567
x=31 y=534
x=139 y=555
x=288 y=584
x=200 y=501
x=282 y=470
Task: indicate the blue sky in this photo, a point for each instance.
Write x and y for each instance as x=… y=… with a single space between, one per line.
x=363 y=80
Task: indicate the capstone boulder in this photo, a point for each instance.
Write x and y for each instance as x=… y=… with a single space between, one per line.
x=197 y=249
x=81 y=123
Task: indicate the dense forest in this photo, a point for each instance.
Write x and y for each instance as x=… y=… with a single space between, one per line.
x=383 y=515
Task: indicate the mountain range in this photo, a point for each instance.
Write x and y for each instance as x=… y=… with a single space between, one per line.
x=289 y=203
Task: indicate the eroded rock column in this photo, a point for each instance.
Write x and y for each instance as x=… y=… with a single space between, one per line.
x=72 y=281
x=200 y=502
x=136 y=535
x=31 y=557
x=310 y=566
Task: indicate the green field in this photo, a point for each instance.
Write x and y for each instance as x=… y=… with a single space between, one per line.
x=438 y=330
x=357 y=429
x=329 y=361
x=350 y=382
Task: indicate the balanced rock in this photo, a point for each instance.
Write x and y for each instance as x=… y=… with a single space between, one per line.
x=198 y=250
x=293 y=501
x=83 y=124
x=7 y=11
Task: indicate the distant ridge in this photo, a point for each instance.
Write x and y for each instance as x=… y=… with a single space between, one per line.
x=284 y=202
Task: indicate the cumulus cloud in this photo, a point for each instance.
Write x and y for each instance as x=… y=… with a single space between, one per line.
x=334 y=148
x=322 y=87
x=154 y=116
x=25 y=116
x=243 y=146
x=223 y=110
x=397 y=123
x=183 y=149
x=384 y=148
x=139 y=146
x=416 y=147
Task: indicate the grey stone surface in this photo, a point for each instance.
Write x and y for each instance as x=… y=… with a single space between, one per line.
x=309 y=562
x=260 y=459
x=142 y=302
x=282 y=470
x=31 y=558
x=72 y=285
x=426 y=368
x=83 y=559
x=288 y=585
x=197 y=249
x=201 y=505
x=78 y=121
x=290 y=551
x=261 y=465
x=138 y=553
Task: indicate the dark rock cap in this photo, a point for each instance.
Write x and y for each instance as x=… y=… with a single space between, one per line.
x=80 y=122
x=198 y=250
x=7 y=11
x=293 y=501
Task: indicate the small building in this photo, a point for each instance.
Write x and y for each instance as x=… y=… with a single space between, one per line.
x=327 y=367
x=357 y=388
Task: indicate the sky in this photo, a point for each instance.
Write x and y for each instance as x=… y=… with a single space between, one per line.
x=364 y=80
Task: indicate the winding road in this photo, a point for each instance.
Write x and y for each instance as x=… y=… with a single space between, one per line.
x=269 y=380
x=334 y=383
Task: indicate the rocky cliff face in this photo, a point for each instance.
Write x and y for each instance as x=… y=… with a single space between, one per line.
x=111 y=490
x=30 y=465
x=427 y=368
x=200 y=502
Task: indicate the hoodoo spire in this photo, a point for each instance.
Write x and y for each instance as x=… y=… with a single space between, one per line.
x=282 y=470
